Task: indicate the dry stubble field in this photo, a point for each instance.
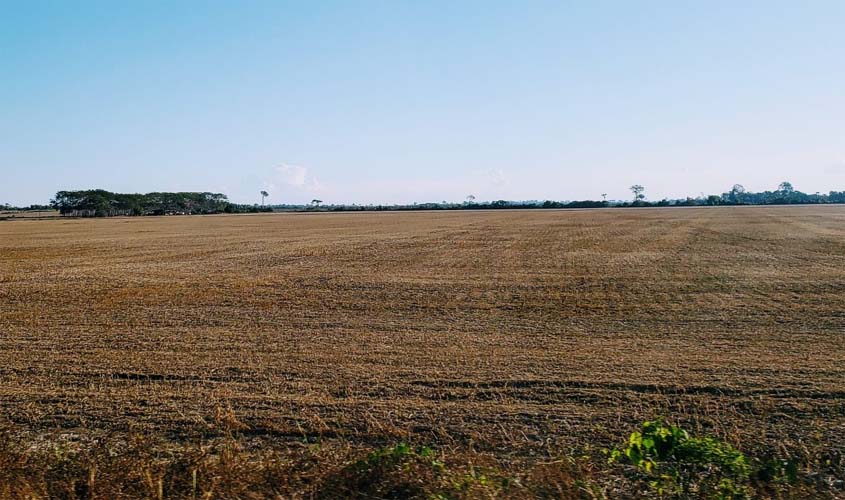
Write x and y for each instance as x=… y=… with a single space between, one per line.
x=519 y=336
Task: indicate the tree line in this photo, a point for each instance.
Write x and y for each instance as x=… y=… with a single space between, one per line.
x=785 y=194
x=101 y=203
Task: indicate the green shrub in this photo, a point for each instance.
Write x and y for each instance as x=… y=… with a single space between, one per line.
x=677 y=465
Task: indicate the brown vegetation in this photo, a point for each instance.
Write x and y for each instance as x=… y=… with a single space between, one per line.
x=28 y=214
x=269 y=354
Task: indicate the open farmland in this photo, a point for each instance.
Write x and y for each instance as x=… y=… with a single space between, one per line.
x=27 y=214
x=515 y=336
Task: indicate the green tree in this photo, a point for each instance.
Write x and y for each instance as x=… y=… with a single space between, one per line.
x=638 y=193
x=737 y=192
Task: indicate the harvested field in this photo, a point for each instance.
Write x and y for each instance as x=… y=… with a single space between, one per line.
x=28 y=214
x=517 y=335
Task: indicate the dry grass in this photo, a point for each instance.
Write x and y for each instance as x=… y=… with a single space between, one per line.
x=516 y=336
x=28 y=214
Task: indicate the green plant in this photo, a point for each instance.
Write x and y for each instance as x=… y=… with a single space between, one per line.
x=675 y=464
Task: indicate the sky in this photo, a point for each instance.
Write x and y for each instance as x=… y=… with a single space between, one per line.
x=414 y=101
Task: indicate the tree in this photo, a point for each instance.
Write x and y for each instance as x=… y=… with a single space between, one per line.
x=785 y=187
x=736 y=193
x=316 y=202
x=604 y=197
x=100 y=202
x=470 y=199
x=638 y=192
x=264 y=194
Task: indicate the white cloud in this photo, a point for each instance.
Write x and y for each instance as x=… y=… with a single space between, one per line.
x=292 y=175
x=293 y=183
x=297 y=183
x=295 y=176
x=497 y=177
x=837 y=168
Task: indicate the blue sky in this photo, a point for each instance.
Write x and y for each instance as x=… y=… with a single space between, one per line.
x=393 y=101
